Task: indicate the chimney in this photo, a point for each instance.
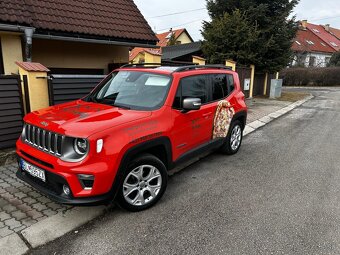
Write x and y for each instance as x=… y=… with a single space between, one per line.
x=327 y=27
x=304 y=23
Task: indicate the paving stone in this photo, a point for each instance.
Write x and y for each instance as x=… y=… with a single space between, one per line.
x=12 y=223
x=29 y=200
x=49 y=212
x=24 y=207
x=34 y=214
x=18 y=215
x=54 y=206
x=5 y=231
x=18 y=229
x=11 y=180
x=4 y=216
x=3 y=202
x=7 y=196
x=17 y=184
x=39 y=207
x=2 y=224
x=28 y=222
x=43 y=199
x=34 y=194
x=9 y=208
x=14 y=201
x=20 y=195
x=2 y=191
x=25 y=189
x=12 y=190
x=4 y=185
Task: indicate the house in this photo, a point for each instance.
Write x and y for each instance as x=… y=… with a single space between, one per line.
x=78 y=37
x=182 y=52
x=175 y=37
x=314 y=45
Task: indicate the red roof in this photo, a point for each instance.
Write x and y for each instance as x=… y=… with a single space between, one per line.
x=162 y=42
x=335 y=32
x=116 y=19
x=32 y=67
x=325 y=36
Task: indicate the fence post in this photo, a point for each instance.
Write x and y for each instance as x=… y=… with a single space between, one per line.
x=198 y=60
x=265 y=84
x=37 y=84
x=231 y=63
x=252 y=79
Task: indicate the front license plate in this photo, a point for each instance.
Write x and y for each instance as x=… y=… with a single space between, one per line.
x=33 y=170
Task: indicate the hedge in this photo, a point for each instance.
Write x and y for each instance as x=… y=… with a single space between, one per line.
x=318 y=76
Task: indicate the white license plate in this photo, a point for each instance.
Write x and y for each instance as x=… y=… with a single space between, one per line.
x=33 y=170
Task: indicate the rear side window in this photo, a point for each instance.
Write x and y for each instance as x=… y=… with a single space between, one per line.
x=222 y=85
x=191 y=87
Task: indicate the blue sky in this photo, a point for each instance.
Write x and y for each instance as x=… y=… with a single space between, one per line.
x=315 y=11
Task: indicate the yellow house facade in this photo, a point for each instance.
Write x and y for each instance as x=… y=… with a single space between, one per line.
x=71 y=40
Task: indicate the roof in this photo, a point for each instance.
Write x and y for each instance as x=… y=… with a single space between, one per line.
x=32 y=67
x=305 y=40
x=164 y=37
x=118 y=19
x=162 y=42
x=172 y=52
x=335 y=32
x=325 y=36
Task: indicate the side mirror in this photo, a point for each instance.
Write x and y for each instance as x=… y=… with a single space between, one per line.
x=190 y=104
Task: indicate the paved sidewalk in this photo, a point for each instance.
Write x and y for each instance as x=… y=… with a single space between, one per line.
x=22 y=208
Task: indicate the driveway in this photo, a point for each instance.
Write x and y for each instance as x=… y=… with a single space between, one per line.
x=279 y=195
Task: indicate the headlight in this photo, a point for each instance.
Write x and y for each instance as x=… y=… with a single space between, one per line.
x=81 y=146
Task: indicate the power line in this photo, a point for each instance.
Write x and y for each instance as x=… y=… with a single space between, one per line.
x=190 y=22
x=176 y=13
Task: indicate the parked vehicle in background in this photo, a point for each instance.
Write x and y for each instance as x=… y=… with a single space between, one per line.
x=119 y=142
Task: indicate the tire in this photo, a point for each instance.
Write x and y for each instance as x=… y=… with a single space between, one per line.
x=143 y=184
x=231 y=146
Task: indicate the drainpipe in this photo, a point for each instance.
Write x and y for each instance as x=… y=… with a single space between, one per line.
x=28 y=43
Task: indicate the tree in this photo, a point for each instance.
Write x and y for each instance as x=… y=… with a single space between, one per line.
x=268 y=19
x=335 y=59
x=231 y=36
x=172 y=40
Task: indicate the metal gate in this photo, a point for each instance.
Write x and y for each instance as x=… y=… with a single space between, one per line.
x=65 y=88
x=244 y=73
x=259 y=80
x=11 y=110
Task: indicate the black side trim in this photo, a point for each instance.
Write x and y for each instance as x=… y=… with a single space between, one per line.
x=241 y=115
x=133 y=152
x=211 y=145
x=36 y=160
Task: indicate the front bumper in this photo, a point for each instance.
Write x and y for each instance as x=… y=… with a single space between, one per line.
x=59 y=172
x=51 y=191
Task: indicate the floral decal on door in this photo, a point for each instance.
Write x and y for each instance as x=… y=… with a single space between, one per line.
x=223 y=116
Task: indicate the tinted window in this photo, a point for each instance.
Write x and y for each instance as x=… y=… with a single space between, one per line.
x=191 y=87
x=222 y=86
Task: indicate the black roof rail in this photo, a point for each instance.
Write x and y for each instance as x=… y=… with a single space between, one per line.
x=146 y=65
x=152 y=65
x=188 y=68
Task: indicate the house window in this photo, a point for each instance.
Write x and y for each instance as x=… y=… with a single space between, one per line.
x=2 y=71
x=298 y=42
x=334 y=44
x=315 y=30
x=310 y=42
x=311 y=61
x=323 y=44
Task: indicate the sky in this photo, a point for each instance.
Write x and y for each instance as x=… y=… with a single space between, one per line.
x=315 y=11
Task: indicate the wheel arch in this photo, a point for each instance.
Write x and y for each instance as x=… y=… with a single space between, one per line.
x=242 y=117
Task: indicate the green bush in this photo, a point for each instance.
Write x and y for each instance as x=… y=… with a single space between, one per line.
x=326 y=76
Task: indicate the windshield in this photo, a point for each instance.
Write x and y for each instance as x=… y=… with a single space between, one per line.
x=133 y=90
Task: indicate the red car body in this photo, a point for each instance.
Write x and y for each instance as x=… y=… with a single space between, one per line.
x=168 y=133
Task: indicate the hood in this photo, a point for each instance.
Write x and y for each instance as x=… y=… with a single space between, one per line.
x=82 y=119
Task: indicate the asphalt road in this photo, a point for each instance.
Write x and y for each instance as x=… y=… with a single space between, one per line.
x=279 y=195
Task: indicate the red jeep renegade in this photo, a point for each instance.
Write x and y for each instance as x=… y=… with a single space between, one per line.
x=120 y=141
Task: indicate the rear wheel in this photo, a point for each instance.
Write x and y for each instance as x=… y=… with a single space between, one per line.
x=234 y=139
x=144 y=183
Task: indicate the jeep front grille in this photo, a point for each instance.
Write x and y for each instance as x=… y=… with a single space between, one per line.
x=43 y=140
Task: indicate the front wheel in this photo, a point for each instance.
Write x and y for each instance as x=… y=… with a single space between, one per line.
x=234 y=139
x=144 y=183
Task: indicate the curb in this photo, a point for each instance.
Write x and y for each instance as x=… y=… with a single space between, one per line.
x=48 y=230
x=251 y=127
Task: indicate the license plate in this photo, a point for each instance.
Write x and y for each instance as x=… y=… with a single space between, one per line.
x=33 y=170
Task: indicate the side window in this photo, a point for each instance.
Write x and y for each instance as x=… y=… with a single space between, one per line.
x=231 y=84
x=191 y=87
x=219 y=86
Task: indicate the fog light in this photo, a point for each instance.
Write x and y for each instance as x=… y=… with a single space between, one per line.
x=66 y=190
